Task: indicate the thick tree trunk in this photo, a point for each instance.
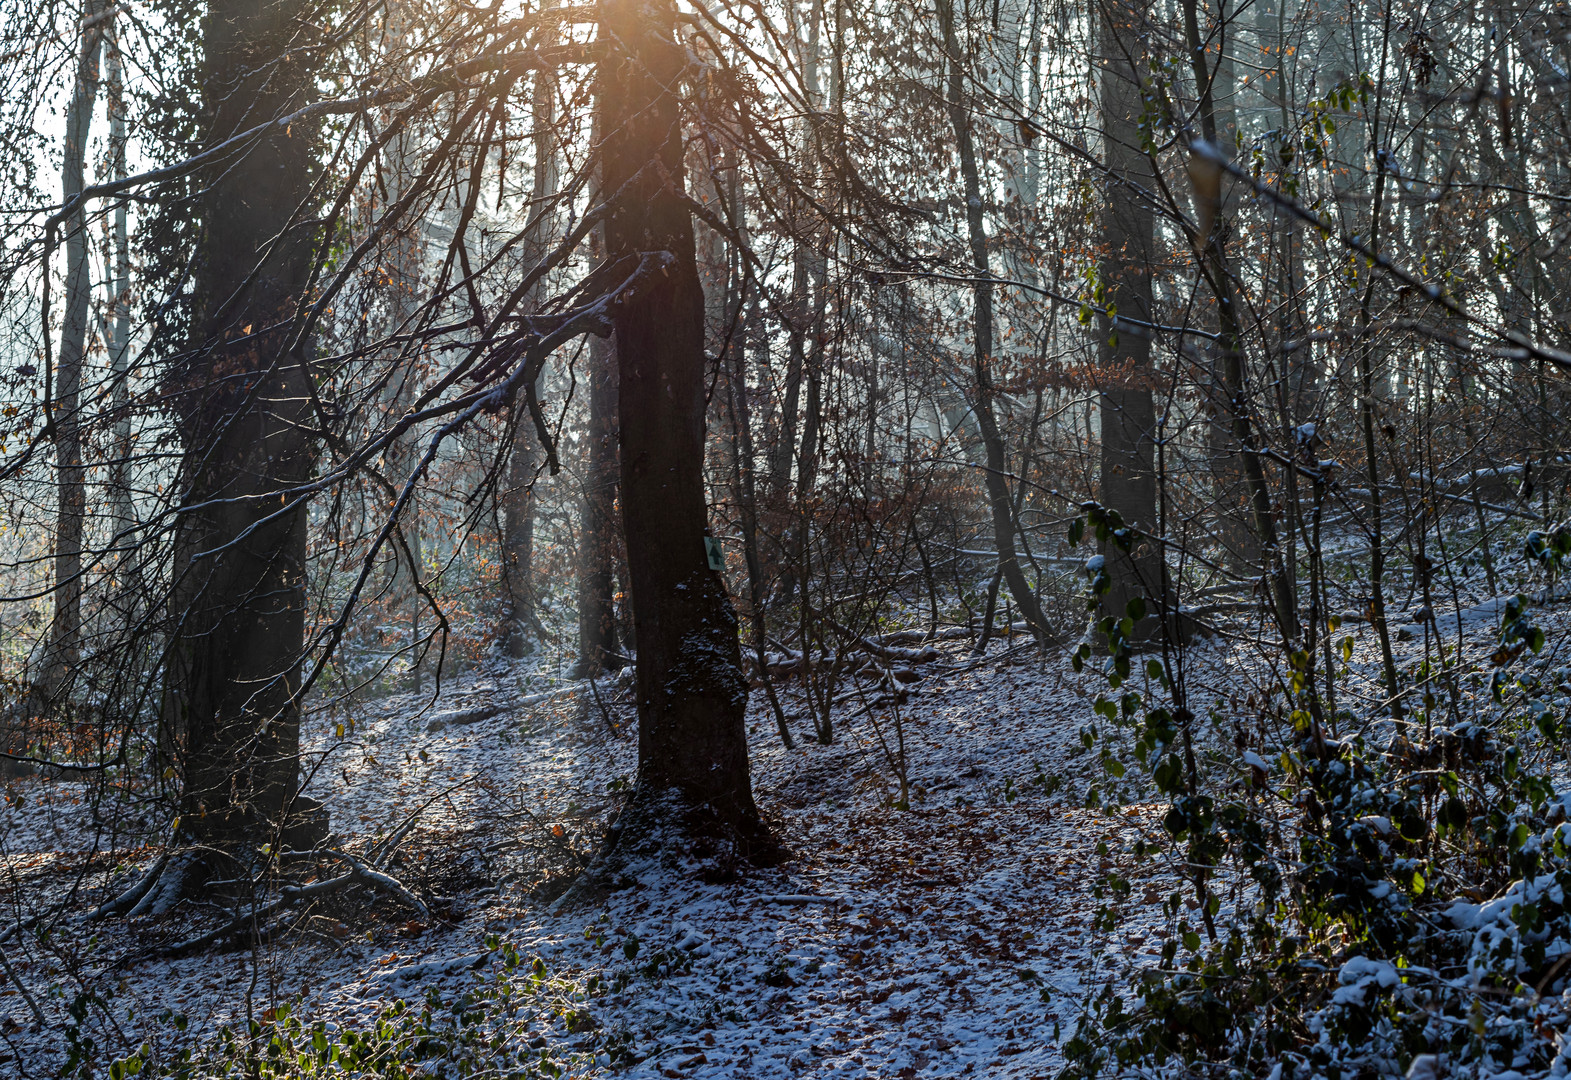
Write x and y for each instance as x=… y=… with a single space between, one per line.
x=1128 y=414
x=692 y=695
x=238 y=603
x=597 y=647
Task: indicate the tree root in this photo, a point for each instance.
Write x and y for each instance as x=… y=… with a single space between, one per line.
x=246 y=920
x=250 y=921
x=170 y=886
x=162 y=886
x=131 y=897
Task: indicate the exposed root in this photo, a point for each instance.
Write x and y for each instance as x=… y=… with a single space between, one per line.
x=657 y=825
x=130 y=898
x=170 y=886
x=251 y=920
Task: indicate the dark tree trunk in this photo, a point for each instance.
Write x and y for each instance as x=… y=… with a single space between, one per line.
x=1128 y=413
x=796 y=360
x=1275 y=563
x=692 y=695
x=241 y=395
x=597 y=648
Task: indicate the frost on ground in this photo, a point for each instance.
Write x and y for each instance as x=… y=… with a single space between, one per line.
x=948 y=939
x=952 y=938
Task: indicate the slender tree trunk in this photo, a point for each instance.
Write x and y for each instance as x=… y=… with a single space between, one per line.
x=241 y=400
x=1214 y=91
x=123 y=516
x=1367 y=421
x=799 y=322
x=404 y=266
x=521 y=623
x=796 y=360
x=597 y=647
x=692 y=695
x=518 y=540
x=745 y=485
x=63 y=646
x=1242 y=438
x=997 y=465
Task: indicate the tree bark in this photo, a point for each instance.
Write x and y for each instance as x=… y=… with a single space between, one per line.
x=520 y=624
x=62 y=648
x=123 y=516
x=241 y=400
x=597 y=646
x=804 y=262
x=1275 y=564
x=692 y=695
x=1127 y=411
x=406 y=243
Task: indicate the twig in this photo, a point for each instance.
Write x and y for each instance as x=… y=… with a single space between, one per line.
x=21 y=988
x=800 y=899
x=383 y=849
x=610 y=721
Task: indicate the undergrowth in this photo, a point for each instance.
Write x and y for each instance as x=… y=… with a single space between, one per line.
x=511 y=1023
x=1398 y=893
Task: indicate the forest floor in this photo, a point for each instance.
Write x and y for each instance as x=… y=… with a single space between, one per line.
x=956 y=937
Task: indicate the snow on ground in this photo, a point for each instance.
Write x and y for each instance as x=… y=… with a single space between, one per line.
x=952 y=938
x=948 y=939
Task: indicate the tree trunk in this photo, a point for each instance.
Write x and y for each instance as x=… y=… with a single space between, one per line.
x=123 y=516
x=1275 y=563
x=692 y=695
x=63 y=647
x=406 y=242
x=803 y=260
x=520 y=624
x=996 y=478
x=518 y=539
x=241 y=400
x=1128 y=414
x=597 y=647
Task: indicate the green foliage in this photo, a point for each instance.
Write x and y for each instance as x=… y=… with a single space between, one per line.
x=497 y=1027
x=1415 y=899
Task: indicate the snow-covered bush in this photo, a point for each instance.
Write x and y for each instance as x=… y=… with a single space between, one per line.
x=1396 y=906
